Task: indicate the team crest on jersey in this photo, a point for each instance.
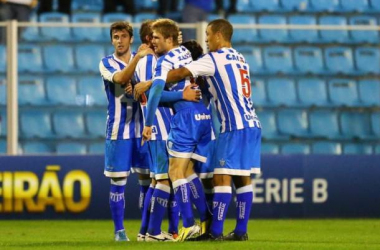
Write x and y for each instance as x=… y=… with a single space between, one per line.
x=222 y=162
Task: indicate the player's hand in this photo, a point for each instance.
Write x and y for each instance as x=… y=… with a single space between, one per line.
x=128 y=89
x=180 y=37
x=140 y=88
x=144 y=50
x=190 y=94
x=146 y=134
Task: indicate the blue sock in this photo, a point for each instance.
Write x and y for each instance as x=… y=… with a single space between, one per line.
x=209 y=196
x=222 y=198
x=117 y=205
x=146 y=209
x=173 y=214
x=144 y=186
x=160 y=200
x=244 y=197
x=182 y=196
x=198 y=197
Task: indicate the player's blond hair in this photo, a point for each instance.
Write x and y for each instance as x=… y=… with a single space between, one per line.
x=167 y=28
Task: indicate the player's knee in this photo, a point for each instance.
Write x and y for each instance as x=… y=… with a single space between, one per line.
x=119 y=181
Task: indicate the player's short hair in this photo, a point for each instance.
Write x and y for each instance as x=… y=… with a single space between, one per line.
x=146 y=30
x=194 y=47
x=168 y=28
x=121 y=25
x=223 y=26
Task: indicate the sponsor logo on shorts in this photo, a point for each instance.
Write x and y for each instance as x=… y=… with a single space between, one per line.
x=203 y=116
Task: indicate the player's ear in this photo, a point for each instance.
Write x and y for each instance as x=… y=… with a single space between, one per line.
x=132 y=39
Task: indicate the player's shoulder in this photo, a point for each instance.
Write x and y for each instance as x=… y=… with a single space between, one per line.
x=106 y=59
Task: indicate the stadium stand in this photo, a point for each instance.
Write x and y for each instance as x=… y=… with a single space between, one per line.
x=3 y=91
x=334 y=35
x=329 y=148
x=37 y=148
x=3 y=59
x=71 y=148
x=96 y=148
x=370 y=36
x=324 y=124
x=295 y=5
x=369 y=90
x=270 y=148
x=59 y=34
x=61 y=90
x=308 y=59
x=295 y=148
x=293 y=122
x=258 y=92
x=87 y=57
x=31 y=91
x=58 y=58
x=35 y=124
x=343 y=92
x=339 y=60
x=30 y=59
x=88 y=33
x=3 y=123
x=69 y=124
x=354 y=148
x=278 y=59
x=356 y=125
x=282 y=91
x=368 y=60
x=91 y=91
x=273 y=35
x=243 y=35
x=303 y=35
x=95 y=124
x=3 y=146
x=307 y=89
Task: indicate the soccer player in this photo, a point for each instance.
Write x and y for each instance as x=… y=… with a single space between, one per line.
x=237 y=152
x=190 y=128
x=124 y=119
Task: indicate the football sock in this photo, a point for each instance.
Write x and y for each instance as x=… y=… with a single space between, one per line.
x=244 y=197
x=173 y=214
x=146 y=209
x=117 y=203
x=144 y=186
x=198 y=197
x=209 y=196
x=222 y=198
x=182 y=193
x=160 y=200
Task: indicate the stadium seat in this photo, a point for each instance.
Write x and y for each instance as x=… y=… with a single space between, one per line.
x=55 y=33
x=375 y=5
x=29 y=59
x=278 y=59
x=308 y=59
x=264 y=5
x=59 y=58
x=91 y=91
x=295 y=148
x=328 y=148
x=258 y=92
x=270 y=148
x=243 y=35
x=353 y=148
x=324 y=5
x=88 y=33
x=273 y=35
x=303 y=35
x=3 y=91
x=3 y=59
x=375 y=122
x=339 y=35
x=31 y=34
x=268 y=124
x=339 y=60
x=343 y=92
x=31 y=90
x=282 y=91
x=355 y=125
x=354 y=5
x=147 y=4
x=312 y=91
x=324 y=123
x=96 y=148
x=111 y=18
x=243 y=6
x=369 y=92
x=87 y=57
x=3 y=146
x=141 y=17
x=61 y=90
x=35 y=124
x=295 y=5
x=293 y=122
x=69 y=124
x=37 y=148
x=211 y=17
x=254 y=60
x=96 y=123
x=3 y=123
x=370 y=36
x=368 y=60
x=87 y=6
x=71 y=148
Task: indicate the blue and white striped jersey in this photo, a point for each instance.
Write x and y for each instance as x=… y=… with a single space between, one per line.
x=161 y=124
x=124 y=117
x=229 y=83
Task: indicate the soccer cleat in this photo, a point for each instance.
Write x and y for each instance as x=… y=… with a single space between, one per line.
x=207 y=237
x=163 y=236
x=186 y=233
x=121 y=235
x=234 y=237
x=205 y=225
x=140 y=237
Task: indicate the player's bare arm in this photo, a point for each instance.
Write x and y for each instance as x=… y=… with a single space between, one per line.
x=190 y=94
x=176 y=75
x=146 y=134
x=141 y=88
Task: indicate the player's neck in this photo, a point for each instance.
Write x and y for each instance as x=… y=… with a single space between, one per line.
x=224 y=45
x=124 y=57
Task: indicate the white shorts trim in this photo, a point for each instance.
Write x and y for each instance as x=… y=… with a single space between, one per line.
x=223 y=189
x=163 y=187
x=228 y=171
x=161 y=176
x=245 y=189
x=140 y=170
x=199 y=158
x=116 y=174
x=255 y=170
x=179 y=154
x=206 y=175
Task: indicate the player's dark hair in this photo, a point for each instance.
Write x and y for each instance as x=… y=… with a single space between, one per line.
x=121 y=25
x=222 y=26
x=146 y=30
x=167 y=28
x=194 y=47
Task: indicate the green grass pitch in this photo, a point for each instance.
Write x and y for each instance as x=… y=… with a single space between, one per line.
x=263 y=234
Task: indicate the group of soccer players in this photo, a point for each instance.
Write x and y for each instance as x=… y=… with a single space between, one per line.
x=167 y=136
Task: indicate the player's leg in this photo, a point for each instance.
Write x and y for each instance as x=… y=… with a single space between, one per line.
x=146 y=212
x=173 y=214
x=117 y=206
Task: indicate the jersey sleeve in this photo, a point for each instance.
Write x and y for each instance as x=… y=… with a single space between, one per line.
x=162 y=69
x=204 y=66
x=144 y=68
x=107 y=69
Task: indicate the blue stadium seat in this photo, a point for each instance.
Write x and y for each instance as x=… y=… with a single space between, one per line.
x=211 y=17
x=264 y=5
x=30 y=59
x=61 y=90
x=243 y=35
x=273 y=35
x=55 y=33
x=59 y=58
x=354 y=5
x=369 y=92
x=31 y=34
x=114 y=17
x=3 y=91
x=329 y=148
x=354 y=148
x=355 y=125
x=96 y=148
x=87 y=5
x=375 y=122
x=147 y=4
x=377 y=149
x=375 y=5
x=368 y=60
x=258 y=92
x=254 y=60
x=31 y=90
x=295 y=5
x=71 y=148
x=293 y=122
x=87 y=57
x=37 y=148
x=282 y=91
x=96 y=123
x=303 y=35
x=278 y=59
x=339 y=35
x=141 y=17
x=35 y=124
x=312 y=91
x=243 y=6
x=3 y=124
x=324 y=123
x=324 y=5
x=295 y=148
x=3 y=146
x=308 y=59
x=3 y=59
x=270 y=148
x=69 y=124
x=268 y=124
x=88 y=33
x=91 y=91
x=370 y=36
x=339 y=60
x=343 y=92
